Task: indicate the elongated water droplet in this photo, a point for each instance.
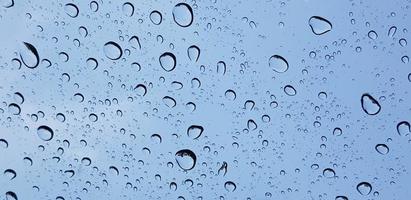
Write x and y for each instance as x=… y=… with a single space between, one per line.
x=183 y=14
x=278 y=63
x=156 y=17
x=319 y=25
x=372 y=35
x=11 y=174
x=167 y=61
x=403 y=128
x=289 y=90
x=7 y=3
x=186 y=159
x=29 y=56
x=382 y=148
x=45 y=133
x=392 y=31
x=193 y=53
x=112 y=50
x=370 y=105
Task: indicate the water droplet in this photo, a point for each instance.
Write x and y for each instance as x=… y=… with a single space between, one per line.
x=403 y=128
x=11 y=174
x=183 y=14
x=45 y=133
x=405 y=59
x=223 y=169
x=341 y=198
x=392 y=31
x=7 y=3
x=329 y=173
x=114 y=170
x=364 y=188
x=370 y=105
x=221 y=67
x=156 y=17
x=4 y=144
x=337 y=131
x=29 y=56
x=94 y=6
x=167 y=61
x=372 y=35
x=128 y=9
x=14 y=109
x=112 y=50
x=11 y=196
x=193 y=53
x=289 y=90
x=319 y=25
x=169 y=101
x=251 y=125
x=18 y=97
x=92 y=63
x=230 y=95
x=403 y=42
x=186 y=159
x=141 y=90
x=230 y=186
x=195 y=131
x=135 y=42
x=382 y=149
x=278 y=63
x=156 y=138
x=93 y=117
x=71 y=10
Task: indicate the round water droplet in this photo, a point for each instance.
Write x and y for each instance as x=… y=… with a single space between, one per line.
x=186 y=159
x=128 y=9
x=11 y=174
x=112 y=50
x=289 y=90
x=167 y=61
x=86 y=161
x=278 y=63
x=193 y=53
x=169 y=101
x=230 y=95
x=11 y=196
x=141 y=90
x=4 y=144
x=93 y=117
x=372 y=35
x=45 y=133
x=156 y=17
x=230 y=186
x=337 y=131
x=183 y=14
x=71 y=10
x=405 y=59
x=61 y=117
x=195 y=131
x=156 y=138
x=114 y=170
x=319 y=25
x=370 y=105
x=29 y=55
x=404 y=128
x=94 y=6
x=382 y=149
x=92 y=63
x=14 y=109
x=329 y=173
x=364 y=188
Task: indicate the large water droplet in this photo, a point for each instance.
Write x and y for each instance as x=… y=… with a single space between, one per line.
x=156 y=17
x=11 y=196
x=112 y=50
x=370 y=105
x=404 y=128
x=7 y=3
x=183 y=14
x=329 y=173
x=14 y=109
x=71 y=10
x=195 y=131
x=45 y=133
x=167 y=61
x=186 y=159
x=382 y=149
x=319 y=25
x=29 y=55
x=193 y=53
x=92 y=63
x=364 y=188
x=11 y=174
x=278 y=63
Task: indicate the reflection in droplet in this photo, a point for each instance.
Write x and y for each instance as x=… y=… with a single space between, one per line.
x=183 y=14
x=370 y=105
x=29 y=56
x=364 y=188
x=167 y=61
x=319 y=25
x=112 y=50
x=278 y=63
x=156 y=17
x=230 y=186
x=382 y=149
x=195 y=131
x=289 y=90
x=71 y=10
x=193 y=53
x=45 y=133
x=186 y=159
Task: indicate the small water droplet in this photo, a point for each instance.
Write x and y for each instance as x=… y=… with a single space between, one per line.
x=140 y=89
x=14 y=109
x=392 y=31
x=11 y=174
x=92 y=63
x=329 y=173
x=11 y=196
x=230 y=95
